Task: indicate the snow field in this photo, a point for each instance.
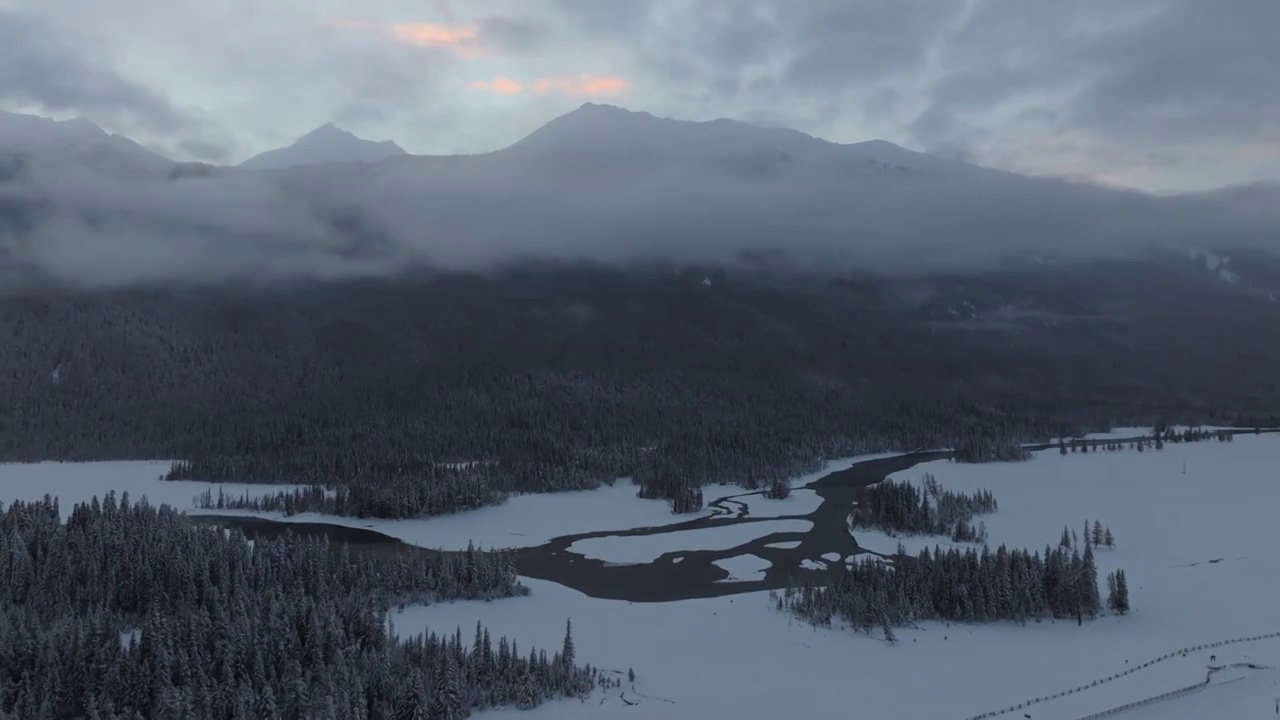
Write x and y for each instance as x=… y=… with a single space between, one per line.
x=743 y=568
x=1190 y=542
x=1249 y=695
x=1195 y=547
x=737 y=657
x=647 y=548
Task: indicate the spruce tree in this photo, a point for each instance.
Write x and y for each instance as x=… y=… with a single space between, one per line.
x=1122 y=593
x=567 y=654
x=1088 y=583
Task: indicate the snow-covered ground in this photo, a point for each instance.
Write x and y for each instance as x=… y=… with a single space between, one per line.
x=647 y=548
x=74 y=483
x=738 y=657
x=1243 y=696
x=1192 y=523
x=743 y=568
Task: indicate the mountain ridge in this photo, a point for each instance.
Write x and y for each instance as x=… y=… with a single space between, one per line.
x=599 y=183
x=325 y=145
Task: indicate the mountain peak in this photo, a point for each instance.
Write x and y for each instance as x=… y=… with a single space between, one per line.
x=605 y=109
x=612 y=129
x=328 y=131
x=326 y=144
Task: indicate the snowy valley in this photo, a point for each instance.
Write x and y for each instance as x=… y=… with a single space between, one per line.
x=1190 y=524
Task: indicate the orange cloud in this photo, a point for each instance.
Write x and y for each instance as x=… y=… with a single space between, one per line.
x=462 y=41
x=580 y=85
x=501 y=85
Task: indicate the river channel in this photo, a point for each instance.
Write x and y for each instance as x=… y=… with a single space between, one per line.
x=675 y=576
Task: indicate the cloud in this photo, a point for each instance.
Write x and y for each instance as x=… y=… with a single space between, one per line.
x=1085 y=88
x=516 y=35
x=468 y=41
x=86 y=224
x=580 y=85
x=567 y=85
x=500 y=85
x=42 y=67
x=462 y=41
x=1143 y=90
x=1091 y=85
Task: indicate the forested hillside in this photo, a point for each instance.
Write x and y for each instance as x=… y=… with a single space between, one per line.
x=127 y=611
x=457 y=388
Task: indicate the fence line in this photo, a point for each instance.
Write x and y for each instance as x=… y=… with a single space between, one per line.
x=1171 y=695
x=1130 y=671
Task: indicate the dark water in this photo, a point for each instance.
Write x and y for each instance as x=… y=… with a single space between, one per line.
x=677 y=576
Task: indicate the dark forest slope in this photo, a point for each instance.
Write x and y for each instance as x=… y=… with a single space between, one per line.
x=561 y=376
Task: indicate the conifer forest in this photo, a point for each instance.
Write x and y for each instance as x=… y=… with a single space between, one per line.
x=130 y=611
x=442 y=392
x=967 y=586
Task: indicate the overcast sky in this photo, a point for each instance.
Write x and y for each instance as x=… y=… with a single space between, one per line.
x=1159 y=94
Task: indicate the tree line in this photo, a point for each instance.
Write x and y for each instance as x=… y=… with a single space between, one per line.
x=129 y=611
x=389 y=496
x=1160 y=435
x=902 y=507
x=969 y=586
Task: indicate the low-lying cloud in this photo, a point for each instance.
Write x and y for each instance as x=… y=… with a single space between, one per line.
x=78 y=218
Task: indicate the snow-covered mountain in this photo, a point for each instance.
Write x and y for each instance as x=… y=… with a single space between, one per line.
x=600 y=182
x=607 y=130
x=326 y=144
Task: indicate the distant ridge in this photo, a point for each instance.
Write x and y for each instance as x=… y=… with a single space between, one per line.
x=326 y=144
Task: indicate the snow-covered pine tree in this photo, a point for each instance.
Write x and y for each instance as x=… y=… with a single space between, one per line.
x=1122 y=593
x=567 y=654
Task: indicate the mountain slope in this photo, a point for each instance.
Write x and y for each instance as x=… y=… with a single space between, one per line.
x=79 y=142
x=602 y=183
x=595 y=128
x=326 y=144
